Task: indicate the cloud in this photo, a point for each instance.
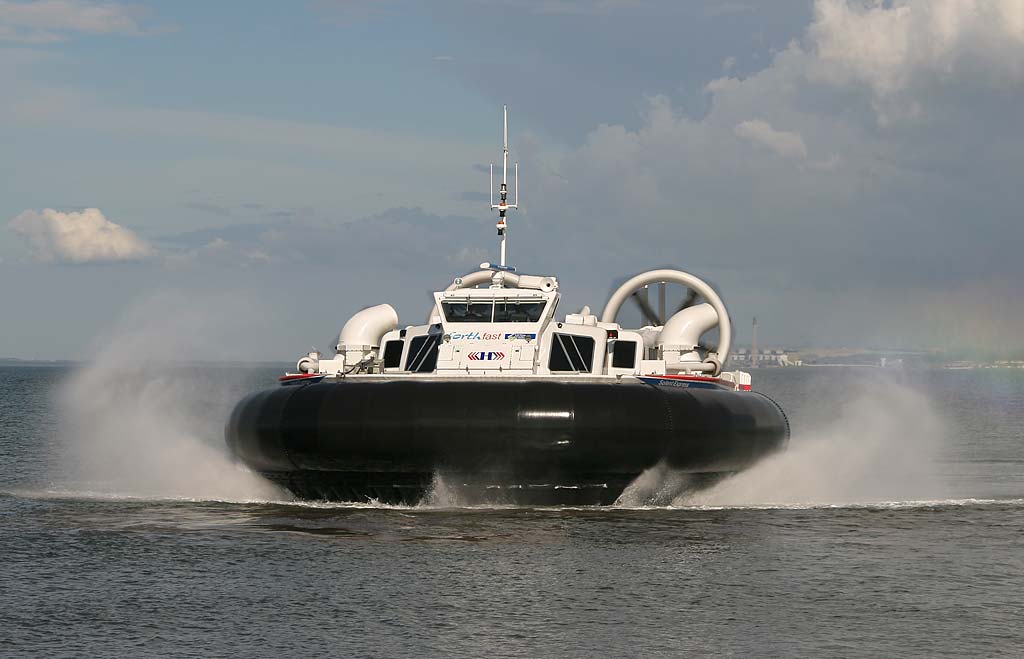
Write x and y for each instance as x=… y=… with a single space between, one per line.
x=786 y=144
x=893 y=48
x=475 y=196
x=31 y=38
x=720 y=84
x=886 y=45
x=911 y=189
x=209 y=207
x=47 y=21
x=575 y=7
x=78 y=237
x=397 y=238
x=900 y=182
x=347 y=11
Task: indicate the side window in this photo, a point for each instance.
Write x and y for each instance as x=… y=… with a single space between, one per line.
x=393 y=353
x=423 y=353
x=571 y=353
x=624 y=354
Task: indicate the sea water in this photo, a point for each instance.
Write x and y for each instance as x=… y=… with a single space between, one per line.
x=892 y=526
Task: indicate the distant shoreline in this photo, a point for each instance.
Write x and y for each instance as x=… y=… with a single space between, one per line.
x=43 y=363
x=13 y=361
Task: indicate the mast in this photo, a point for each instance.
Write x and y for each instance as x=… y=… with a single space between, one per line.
x=502 y=206
x=753 y=346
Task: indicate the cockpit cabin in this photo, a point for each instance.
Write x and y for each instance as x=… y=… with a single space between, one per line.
x=509 y=331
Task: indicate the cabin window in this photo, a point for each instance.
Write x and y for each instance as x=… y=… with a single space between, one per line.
x=572 y=353
x=624 y=354
x=513 y=311
x=393 y=353
x=467 y=312
x=423 y=353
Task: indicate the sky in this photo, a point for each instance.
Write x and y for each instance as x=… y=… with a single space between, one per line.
x=847 y=171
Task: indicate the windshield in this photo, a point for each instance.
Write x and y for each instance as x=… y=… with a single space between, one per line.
x=512 y=311
x=467 y=312
x=500 y=311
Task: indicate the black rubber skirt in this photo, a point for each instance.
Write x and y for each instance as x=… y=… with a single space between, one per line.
x=531 y=442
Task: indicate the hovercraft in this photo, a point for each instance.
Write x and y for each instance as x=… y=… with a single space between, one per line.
x=508 y=403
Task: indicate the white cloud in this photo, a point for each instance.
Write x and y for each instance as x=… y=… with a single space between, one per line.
x=808 y=99
x=891 y=47
x=78 y=237
x=45 y=21
x=347 y=11
x=32 y=38
x=365 y=161
x=719 y=84
x=910 y=188
x=576 y=7
x=866 y=203
x=895 y=55
x=784 y=143
x=727 y=8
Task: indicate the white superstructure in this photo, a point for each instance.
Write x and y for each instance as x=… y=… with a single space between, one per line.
x=497 y=323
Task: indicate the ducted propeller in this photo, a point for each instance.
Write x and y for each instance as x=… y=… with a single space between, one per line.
x=698 y=294
x=658 y=317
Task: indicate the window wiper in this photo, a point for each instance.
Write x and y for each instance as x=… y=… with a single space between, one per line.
x=568 y=359
x=416 y=361
x=578 y=354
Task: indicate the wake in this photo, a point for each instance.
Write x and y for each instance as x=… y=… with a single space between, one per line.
x=881 y=449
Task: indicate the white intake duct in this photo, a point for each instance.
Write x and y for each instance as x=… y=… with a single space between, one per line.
x=535 y=282
x=310 y=363
x=361 y=335
x=680 y=337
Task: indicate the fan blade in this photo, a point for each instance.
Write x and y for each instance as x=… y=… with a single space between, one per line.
x=645 y=308
x=662 y=301
x=691 y=297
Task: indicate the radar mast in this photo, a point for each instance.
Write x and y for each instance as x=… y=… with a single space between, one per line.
x=502 y=206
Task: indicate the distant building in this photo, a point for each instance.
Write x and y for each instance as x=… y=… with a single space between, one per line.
x=767 y=357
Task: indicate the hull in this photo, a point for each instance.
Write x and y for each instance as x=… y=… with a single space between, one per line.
x=530 y=442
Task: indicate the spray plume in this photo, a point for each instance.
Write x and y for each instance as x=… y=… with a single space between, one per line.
x=883 y=445
x=140 y=420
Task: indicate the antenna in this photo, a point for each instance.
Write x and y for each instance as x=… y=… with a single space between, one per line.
x=503 y=204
